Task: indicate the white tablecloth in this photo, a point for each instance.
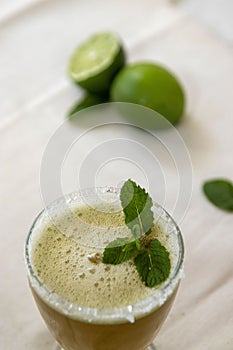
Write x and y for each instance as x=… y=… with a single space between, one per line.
x=36 y=39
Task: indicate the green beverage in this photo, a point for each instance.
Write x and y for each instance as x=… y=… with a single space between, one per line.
x=86 y=304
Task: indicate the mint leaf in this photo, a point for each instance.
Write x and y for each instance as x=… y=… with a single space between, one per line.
x=136 y=204
x=119 y=250
x=153 y=264
x=220 y=193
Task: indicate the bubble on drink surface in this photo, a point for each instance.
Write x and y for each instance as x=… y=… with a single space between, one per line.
x=63 y=262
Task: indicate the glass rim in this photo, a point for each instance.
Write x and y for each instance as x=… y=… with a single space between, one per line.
x=105 y=315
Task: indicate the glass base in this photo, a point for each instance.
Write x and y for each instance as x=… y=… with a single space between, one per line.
x=57 y=347
x=151 y=347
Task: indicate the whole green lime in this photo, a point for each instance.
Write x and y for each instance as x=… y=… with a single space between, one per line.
x=96 y=61
x=152 y=86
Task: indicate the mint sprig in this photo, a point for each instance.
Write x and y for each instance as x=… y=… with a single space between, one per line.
x=151 y=258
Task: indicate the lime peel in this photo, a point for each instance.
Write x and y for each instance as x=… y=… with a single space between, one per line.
x=152 y=86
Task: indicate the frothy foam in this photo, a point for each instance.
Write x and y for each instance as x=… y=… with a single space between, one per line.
x=66 y=259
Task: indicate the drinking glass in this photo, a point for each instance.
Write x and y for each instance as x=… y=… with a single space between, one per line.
x=77 y=327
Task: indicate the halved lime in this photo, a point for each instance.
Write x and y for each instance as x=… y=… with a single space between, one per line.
x=152 y=86
x=94 y=63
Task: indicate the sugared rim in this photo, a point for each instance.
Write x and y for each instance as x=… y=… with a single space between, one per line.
x=105 y=315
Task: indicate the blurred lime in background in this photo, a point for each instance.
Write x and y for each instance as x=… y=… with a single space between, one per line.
x=88 y=100
x=96 y=61
x=98 y=65
x=152 y=86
